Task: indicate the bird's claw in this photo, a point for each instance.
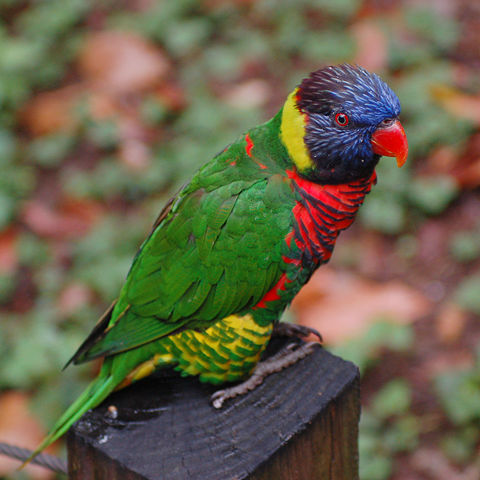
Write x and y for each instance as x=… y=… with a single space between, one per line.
x=218 y=399
x=285 y=329
x=290 y=354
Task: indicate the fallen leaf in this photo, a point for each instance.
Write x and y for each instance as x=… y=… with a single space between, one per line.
x=134 y=150
x=121 y=62
x=433 y=463
x=469 y=176
x=342 y=305
x=19 y=427
x=461 y=359
x=73 y=297
x=456 y=102
x=102 y=106
x=467 y=168
x=463 y=166
x=50 y=112
x=440 y=160
x=135 y=154
x=71 y=218
x=249 y=94
x=171 y=95
x=372 y=45
x=8 y=252
x=450 y=322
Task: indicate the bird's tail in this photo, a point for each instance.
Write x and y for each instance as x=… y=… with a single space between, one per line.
x=95 y=393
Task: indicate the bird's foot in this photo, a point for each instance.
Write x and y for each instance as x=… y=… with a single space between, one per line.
x=284 y=329
x=287 y=356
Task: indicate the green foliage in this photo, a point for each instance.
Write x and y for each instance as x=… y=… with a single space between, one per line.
x=341 y=8
x=384 y=213
x=460 y=445
x=331 y=46
x=467 y=293
x=45 y=337
x=50 y=150
x=458 y=390
x=16 y=180
x=385 y=208
x=438 y=32
x=93 y=254
x=103 y=135
x=365 y=350
x=7 y=286
x=386 y=428
x=178 y=26
x=433 y=194
x=465 y=246
x=428 y=123
x=153 y=112
x=52 y=19
x=32 y=251
x=431 y=33
x=393 y=398
x=406 y=246
x=31 y=57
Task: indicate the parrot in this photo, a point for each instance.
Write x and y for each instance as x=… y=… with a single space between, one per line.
x=230 y=251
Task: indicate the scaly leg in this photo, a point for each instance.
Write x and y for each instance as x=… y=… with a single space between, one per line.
x=284 y=358
x=284 y=329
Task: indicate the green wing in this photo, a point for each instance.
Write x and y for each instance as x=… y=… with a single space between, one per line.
x=216 y=250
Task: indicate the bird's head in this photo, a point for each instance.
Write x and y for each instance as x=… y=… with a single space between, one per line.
x=338 y=123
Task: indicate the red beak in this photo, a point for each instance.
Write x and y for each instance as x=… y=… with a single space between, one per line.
x=391 y=141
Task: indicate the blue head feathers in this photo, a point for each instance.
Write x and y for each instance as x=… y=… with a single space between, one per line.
x=344 y=105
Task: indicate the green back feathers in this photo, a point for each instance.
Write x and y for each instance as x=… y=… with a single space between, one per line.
x=215 y=251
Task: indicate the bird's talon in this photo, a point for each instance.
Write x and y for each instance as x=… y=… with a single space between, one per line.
x=217 y=399
x=294 y=330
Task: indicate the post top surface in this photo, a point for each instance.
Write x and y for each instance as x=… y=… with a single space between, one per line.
x=166 y=428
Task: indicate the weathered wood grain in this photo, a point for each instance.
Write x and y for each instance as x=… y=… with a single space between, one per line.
x=300 y=424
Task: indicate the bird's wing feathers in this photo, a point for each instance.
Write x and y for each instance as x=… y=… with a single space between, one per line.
x=215 y=252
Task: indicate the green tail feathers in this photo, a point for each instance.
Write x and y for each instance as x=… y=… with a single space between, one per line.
x=94 y=394
x=112 y=374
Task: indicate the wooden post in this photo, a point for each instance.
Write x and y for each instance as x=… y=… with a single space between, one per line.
x=300 y=424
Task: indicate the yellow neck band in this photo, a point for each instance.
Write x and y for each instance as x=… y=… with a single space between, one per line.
x=292 y=133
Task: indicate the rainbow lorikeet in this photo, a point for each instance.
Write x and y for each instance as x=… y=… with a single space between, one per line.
x=231 y=250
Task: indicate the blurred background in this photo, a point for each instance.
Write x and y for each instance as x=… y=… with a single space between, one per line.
x=107 y=107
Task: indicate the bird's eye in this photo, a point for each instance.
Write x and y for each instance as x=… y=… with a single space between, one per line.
x=387 y=122
x=341 y=119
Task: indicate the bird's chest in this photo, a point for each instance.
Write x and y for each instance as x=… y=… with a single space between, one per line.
x=321 y=212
